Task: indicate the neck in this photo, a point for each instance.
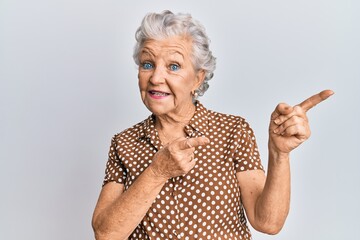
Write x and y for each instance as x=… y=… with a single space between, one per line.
x=181 y=118
x=171 y=126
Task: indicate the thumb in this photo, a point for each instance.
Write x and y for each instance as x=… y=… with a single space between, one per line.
x=281 y=109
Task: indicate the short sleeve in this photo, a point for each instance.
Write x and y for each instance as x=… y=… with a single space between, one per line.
x=115 y=170
x=246 y=155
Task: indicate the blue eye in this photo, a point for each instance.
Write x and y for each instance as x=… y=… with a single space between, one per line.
x=174 y=67
x=147 y=65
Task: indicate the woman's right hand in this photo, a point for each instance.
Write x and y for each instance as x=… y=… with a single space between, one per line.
x=176 y=158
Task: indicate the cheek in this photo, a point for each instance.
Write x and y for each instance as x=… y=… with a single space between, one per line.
x=142 y=81
x=181 y=86
x=188 y=81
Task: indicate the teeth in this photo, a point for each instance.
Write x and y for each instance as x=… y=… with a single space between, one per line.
x=159 y=94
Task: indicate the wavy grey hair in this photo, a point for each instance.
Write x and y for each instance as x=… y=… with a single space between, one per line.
x=167 y=24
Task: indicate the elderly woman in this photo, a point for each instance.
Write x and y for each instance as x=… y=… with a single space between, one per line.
x=187 y=172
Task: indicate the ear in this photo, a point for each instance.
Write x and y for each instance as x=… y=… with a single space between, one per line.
x=199 y=79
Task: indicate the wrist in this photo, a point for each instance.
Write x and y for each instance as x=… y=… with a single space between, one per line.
x=155 y=174
x=278 y=155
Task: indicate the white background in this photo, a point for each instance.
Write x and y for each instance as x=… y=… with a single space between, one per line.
x=68 y=84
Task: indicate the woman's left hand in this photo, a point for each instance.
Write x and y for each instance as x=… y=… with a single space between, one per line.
x=289 y=126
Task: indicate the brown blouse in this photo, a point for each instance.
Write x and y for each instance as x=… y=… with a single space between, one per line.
x=203 y=204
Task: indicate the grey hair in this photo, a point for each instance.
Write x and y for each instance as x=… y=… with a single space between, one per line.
x=167 y=24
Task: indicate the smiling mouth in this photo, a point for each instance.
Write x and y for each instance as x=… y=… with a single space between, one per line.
x=160 y=94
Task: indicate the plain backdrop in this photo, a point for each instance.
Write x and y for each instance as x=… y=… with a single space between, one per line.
x=68 y=84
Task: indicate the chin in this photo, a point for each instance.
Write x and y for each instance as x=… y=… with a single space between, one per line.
x=157 y=109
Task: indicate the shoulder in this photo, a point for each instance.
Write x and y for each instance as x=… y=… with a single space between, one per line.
x=130 y=134
x=229 y=126
x=230 y=120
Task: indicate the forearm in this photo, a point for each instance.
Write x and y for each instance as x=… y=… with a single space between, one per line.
x=273 y=204
x=120 y=218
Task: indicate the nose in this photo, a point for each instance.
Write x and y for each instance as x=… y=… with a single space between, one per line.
x=158 y=75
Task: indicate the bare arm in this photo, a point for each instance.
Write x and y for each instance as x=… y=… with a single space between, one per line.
x=118 y=212
x=267 y=199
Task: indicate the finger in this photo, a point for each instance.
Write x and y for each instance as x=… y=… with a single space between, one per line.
x=193 y=142
x=297 y=111
x=294 y=120
x=192 y=158
x=298 y=131
x=281 y=109
x=315 y=99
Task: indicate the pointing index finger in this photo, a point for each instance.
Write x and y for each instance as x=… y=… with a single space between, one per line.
x=315 y=99
x=193 y=142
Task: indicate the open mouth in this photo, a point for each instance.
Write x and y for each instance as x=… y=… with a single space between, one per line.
x=159 y=94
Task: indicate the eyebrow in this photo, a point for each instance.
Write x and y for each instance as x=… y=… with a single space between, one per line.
x=177 y=52
x=146 y=50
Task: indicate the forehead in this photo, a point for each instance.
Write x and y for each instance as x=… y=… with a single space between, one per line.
x=176 y=46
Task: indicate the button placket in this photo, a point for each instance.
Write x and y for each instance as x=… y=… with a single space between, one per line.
x=177 y=189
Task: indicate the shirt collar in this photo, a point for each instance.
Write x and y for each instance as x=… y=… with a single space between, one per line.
x=197 y=126
x=148 y=128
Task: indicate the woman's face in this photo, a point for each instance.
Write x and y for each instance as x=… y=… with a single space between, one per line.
x=167 y=76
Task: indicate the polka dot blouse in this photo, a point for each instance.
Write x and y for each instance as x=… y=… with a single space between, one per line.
x=203 y=204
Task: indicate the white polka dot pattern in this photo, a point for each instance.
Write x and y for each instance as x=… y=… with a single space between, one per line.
x=203 y=204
